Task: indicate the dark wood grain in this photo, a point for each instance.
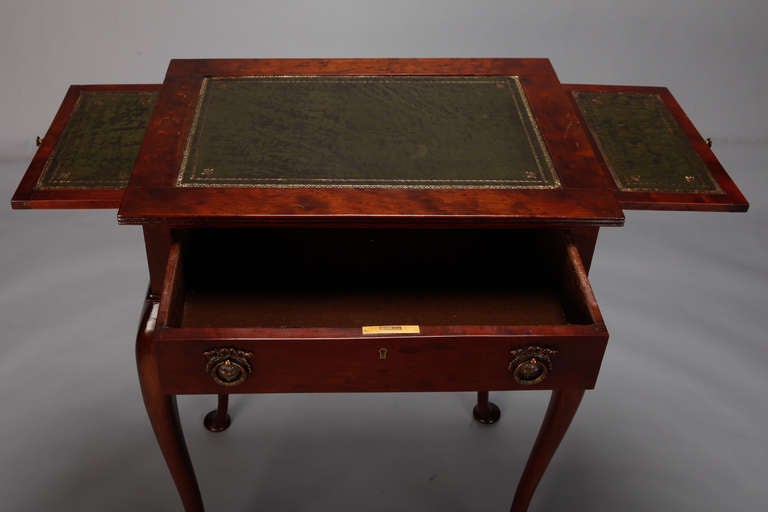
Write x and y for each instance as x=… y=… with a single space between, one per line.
x=361 y=208
x=153 y=196
x=338 y=278
x=157 y=242
x=172 y=297
x=585 y=239
x=310 y=348
x=73 y=196
x=456 y=362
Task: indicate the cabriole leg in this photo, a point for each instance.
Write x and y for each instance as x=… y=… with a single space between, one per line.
x=562 y=407
x=164 y=415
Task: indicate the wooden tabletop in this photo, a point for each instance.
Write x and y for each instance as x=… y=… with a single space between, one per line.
x=362 y=142
x=373 y=143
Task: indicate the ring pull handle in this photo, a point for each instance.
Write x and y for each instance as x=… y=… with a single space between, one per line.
x=228 y=366
x=531 y=365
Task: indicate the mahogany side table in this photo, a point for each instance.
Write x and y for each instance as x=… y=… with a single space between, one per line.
x=358 y=225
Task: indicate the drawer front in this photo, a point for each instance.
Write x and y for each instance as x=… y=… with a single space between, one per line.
x=418 y=363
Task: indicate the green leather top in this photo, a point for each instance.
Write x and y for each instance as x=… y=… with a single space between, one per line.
x=100 y=142
x=642 y=144
x=405 y=132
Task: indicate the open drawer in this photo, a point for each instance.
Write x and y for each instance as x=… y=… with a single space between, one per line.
x=246 y=310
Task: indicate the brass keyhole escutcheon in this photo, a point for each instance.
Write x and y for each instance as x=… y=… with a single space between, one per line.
x=383 y=351
x=531 y=365
x=228 y=366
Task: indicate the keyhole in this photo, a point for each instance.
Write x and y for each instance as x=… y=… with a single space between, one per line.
x=382 y=353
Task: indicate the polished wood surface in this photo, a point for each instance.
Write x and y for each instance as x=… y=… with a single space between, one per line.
x=316 y=358
x=578 y=160
x=153 y=195
x=163 y=412
x=563 y=405
x=218 y=420
x=305 y=346
x=262 y=290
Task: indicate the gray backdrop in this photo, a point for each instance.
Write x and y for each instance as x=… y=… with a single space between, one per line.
x=677 y=421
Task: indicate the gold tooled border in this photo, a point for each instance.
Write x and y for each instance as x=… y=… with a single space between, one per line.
x=535 y=141
x=676 y=130
x=65 y=184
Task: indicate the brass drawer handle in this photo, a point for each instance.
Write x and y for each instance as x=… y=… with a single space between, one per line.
x=229 y=366
x=531 y=365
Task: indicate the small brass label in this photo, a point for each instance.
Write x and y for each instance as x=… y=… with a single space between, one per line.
x=391 y=329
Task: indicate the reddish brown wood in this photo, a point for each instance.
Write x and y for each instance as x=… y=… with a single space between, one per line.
x=427 y=332
x=172 y=297
x=317 y=358
x=419 y=363
x=163 y=413
x=579 y=291
x=362 y=208
x=336 y=359
x=732 y=200
x=562 y=408
x=342 y=278
x=152 y=195
x=586 y=240
x=157 y=242
x=27 y=197
x=218 y=420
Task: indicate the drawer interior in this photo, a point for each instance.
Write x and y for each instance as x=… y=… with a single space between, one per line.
x=353 y=278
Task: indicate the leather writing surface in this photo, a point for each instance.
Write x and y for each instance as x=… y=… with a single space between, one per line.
x=405 y=132
x=642 y=143
x=100 y=142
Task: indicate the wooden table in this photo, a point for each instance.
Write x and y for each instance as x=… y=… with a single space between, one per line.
x=370 y=225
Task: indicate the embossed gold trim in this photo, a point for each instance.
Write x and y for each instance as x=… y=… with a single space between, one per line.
x=643 y=175
x=524 y=359
x=228 y=366
x=545 y=169
x=56 y=148
x=52 y=179
x=535 y=128
x=192 y=131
